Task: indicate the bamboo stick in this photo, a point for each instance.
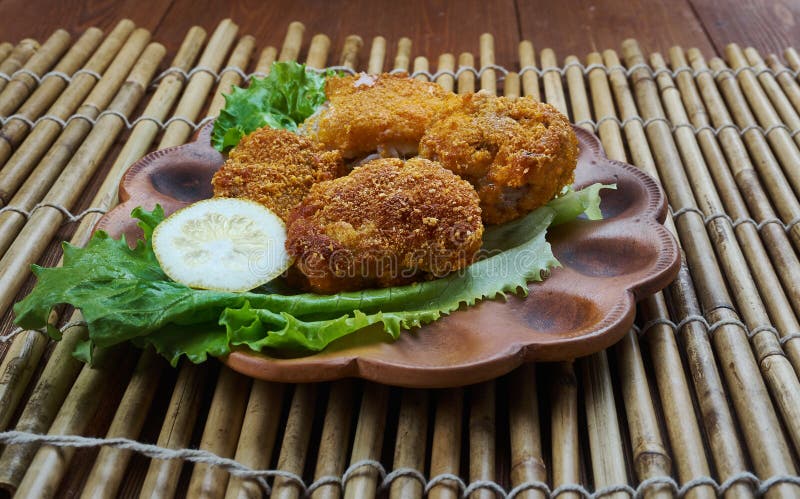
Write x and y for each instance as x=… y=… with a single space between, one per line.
x=749 y=393
x=352 y=45
x=446 y=446
x=266 y=59
x=650 y=459
x=21 y=86
x=293 y=41
x=466 y=80
x=769 y=285
x=240 y=58
x=409 y=448
x=565 y=444
x=221 y=432
x=553 y=88
x=782 y=145
x=109 y=469
x=200 y=84
x=789 y=85
x=162 y=476
x=780 y=101
x=673 y=388
x=420 y=65
x=49 y=464
x=5 y=50
x=530 y=79
x=482 y=436
x=260 y=426
x=13 y=131
x=716 y=415
x=45 y=132
x=17 y=58
x=403 y=58
x=368 y=441
x=792 y=58
x=527 y=462
x=605 y=439
x=296 y=436
x=318 y=51
x=335 y=439
x=377 y=54
x=769 y=173
x=723 y=437
x=511 y=85
x=447 y=62
x=489 y=76
x=67 y=182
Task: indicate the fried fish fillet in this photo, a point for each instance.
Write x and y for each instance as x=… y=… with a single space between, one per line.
x=384 y=113
x=275 y=168
x=388 y=222
x=518 y=154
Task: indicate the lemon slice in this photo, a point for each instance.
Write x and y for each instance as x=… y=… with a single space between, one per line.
x=222 y=244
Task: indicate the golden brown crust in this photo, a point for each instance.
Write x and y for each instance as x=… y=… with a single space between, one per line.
x=275 y=168
x=518 y=154
x=381 y=113
x=388 y=222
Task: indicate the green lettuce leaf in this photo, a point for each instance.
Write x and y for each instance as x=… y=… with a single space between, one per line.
x=284 y=99
x=124 y=295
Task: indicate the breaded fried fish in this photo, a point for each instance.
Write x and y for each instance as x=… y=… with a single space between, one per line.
x=388 y=222
x=275 y=168
x=384 y=113
x=518 y=154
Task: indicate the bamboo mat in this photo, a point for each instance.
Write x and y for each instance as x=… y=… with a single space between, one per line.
x=700 y=399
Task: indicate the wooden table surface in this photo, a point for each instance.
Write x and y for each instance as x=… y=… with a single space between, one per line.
x=570 y=27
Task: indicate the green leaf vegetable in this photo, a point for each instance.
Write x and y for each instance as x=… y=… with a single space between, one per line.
x=284 y=99
x=124 y=295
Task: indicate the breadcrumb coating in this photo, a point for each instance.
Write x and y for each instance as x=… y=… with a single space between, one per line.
x=275 y=168
x=387 y=113
x=518 y=154
x=389 y=222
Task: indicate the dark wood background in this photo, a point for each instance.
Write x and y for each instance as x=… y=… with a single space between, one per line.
x=570 y=27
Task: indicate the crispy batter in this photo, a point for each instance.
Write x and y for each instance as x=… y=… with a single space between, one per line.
x=385 y=113
x=518 y=154
x=275 y=168
x=388 y=222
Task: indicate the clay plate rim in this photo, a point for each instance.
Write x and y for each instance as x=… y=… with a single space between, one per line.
x=199 y=159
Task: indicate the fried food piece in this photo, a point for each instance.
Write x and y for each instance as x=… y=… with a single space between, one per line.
x=389 y=222
x=275 y=168
x=517 y=153
x=385 y=113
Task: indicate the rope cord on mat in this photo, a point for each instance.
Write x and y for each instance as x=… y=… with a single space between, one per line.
x=18 y=331
x=69 y=217
x=240 y=470
x=199 y=124
x=585 y=69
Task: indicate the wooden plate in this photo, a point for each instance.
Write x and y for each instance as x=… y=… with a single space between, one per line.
x=582 y=308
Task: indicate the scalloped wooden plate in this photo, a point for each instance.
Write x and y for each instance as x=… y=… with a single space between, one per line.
x=583 y=307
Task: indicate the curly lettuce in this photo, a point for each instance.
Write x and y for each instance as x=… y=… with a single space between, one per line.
x=284 y=99
x=125 y=296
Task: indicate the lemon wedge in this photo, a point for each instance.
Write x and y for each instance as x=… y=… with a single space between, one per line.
x=222 y=244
